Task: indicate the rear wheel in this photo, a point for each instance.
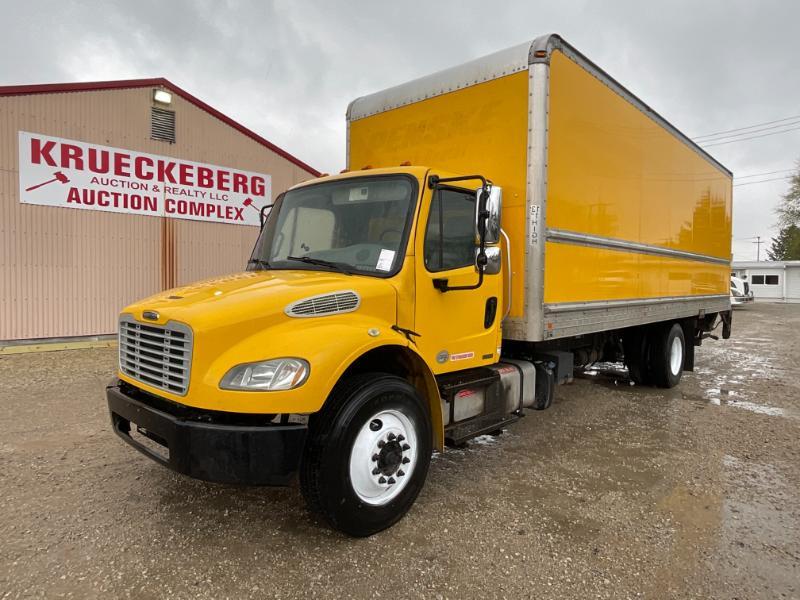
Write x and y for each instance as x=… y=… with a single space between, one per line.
x=368 y=454
x=667 y=355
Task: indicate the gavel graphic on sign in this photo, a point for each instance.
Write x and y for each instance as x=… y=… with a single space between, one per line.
x=57 y=176
x=249 y=202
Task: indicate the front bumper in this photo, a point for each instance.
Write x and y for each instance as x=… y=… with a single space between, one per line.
x=221 y=451
x=738 y=300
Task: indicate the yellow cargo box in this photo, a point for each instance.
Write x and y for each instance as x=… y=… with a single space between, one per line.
x=614 y=217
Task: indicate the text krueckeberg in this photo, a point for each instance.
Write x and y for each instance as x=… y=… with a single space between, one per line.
x=73 y=174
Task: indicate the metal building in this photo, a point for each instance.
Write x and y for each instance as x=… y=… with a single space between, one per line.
x=112 y=191
x=772 y=281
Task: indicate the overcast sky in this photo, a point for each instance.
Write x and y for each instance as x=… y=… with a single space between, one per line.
x=287 y=69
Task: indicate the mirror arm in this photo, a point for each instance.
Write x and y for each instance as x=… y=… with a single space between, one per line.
x=435 y=180
x=440 y=283
x=261 y=216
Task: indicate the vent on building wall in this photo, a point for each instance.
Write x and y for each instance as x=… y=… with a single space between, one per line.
x=162 y=124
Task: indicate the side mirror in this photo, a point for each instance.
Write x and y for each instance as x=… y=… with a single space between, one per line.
x=491 y=205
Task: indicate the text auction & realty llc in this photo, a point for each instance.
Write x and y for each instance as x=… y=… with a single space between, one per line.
x=72 y=174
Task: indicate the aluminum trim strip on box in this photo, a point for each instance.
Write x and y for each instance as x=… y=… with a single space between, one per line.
x=573 y=319
x=596 y=241
x=528 y=327
x=600 y=304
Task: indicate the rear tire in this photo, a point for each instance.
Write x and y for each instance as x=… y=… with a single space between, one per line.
x=367 y=454
x=667 y=355
x=637 y=356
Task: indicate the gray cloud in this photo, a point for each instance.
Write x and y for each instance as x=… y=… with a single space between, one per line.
x=288 y=69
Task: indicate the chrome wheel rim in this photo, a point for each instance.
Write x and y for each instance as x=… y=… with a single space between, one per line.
x=676 y=356
x=383 y=457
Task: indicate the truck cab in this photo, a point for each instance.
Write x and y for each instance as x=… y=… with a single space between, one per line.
x=362 y=289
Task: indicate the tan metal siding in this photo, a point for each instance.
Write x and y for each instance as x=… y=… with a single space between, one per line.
x=66 y=272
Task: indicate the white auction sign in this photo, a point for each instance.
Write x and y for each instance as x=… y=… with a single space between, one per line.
x=72 y=174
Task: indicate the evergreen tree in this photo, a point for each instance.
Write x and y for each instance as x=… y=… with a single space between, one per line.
x=787 y=245
x=789 y=208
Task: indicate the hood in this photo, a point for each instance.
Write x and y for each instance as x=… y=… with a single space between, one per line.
x=259 y=298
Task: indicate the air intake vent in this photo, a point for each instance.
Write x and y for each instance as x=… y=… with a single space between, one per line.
x=162 y=124
x=325 y=304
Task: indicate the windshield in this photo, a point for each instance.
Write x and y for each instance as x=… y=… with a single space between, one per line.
x=354 y=226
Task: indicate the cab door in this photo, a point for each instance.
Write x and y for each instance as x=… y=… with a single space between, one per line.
x=457 y=329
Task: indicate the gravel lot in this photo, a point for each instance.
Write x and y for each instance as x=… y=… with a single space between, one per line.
x=615 y=492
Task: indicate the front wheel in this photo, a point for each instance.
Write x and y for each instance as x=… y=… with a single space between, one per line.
x=368 y=454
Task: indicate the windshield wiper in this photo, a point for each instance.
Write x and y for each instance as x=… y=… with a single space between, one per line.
x=259 y=263
x=322 y=263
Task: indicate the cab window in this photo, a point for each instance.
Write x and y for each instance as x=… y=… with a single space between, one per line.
x=450 y=234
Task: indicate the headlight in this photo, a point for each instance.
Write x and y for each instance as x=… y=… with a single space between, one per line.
x=267 y=375
x=736 y=292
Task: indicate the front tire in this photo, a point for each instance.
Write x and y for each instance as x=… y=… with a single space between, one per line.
x=367 y=455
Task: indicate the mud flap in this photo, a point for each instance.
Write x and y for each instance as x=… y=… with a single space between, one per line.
x=545 y=387
x=727 y=323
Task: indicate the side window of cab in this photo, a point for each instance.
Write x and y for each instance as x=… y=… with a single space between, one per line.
x=450 y=233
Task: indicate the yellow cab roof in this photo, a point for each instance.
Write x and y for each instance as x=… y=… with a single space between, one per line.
x=415 y=171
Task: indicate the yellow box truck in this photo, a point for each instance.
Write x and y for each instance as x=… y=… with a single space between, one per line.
x=501 y=223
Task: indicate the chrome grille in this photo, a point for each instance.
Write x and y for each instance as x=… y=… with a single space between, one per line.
x=158 y=355
x=324 y=304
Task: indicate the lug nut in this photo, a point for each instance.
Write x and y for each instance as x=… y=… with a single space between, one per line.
x=376 y=471
x=375 y=458
x=382 y=480
x=391 y=436
x=406 y=447
x=401 y=437
x=400 y=472
x=381 y=444
x=391 y=480
x=406 y=460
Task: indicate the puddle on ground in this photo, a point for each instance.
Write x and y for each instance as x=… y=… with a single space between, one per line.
x=726 y=397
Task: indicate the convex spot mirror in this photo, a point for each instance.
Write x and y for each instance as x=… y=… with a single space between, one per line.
x=494 y=203
x=493 y=260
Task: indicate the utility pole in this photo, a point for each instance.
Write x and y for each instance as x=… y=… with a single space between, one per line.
x=758 y=243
